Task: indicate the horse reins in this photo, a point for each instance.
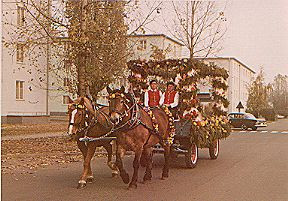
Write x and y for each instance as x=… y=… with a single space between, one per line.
x=133 y=122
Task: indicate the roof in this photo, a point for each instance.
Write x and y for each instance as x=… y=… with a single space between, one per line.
x=157 y=35
x=232 y=58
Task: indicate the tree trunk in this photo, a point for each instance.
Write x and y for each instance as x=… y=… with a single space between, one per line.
x=81 y=64
x=192 y=30
x=81 y=75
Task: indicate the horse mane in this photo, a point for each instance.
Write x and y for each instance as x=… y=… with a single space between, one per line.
x=87 y=103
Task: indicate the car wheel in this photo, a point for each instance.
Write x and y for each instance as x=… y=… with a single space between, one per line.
x=254 y=128
x=244 y=127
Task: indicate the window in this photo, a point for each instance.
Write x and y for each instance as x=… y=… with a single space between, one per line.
x=19 y=90
x=20 y=53
x=66 y=82
x=175 y=50
x=142 y=45
x=20 y=16
x=66 y=100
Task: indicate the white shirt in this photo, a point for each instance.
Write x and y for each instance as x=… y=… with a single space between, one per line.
x=172 y=105
x=146 y=97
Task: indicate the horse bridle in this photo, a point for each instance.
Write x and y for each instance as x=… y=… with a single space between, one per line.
x=82 y=107
x=133 y=122
x=125 y=113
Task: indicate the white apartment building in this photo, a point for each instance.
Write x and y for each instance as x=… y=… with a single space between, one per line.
x=141 y=46
x=23 y=88
x=240 y=77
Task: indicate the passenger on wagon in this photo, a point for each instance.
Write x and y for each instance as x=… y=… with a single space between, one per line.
x=152 y=96
x=170 y=98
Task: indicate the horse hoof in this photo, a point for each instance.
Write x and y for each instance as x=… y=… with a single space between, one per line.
x=125 y=178
x=147 y=178
x=145 y=181
x=164 y=177
x=90 y=180
x=81 y=185
x=165 y=174
x=132 y=186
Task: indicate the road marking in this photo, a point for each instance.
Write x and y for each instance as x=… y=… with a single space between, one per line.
x=253 y=131
x=274 y=131
x=264 y=131
x=242 y=131
x=285 y=132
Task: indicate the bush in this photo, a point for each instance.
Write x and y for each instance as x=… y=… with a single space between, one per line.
x=269 y=114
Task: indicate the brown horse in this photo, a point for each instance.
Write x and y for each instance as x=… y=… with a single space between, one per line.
x=137 y=134
x=81 y=117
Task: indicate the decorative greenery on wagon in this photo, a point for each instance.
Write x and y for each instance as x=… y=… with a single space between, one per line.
x=186 y=74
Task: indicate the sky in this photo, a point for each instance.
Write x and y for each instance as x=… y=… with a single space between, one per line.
x=257 y=34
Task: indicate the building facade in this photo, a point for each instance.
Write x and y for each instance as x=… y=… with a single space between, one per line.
x=23 y=86
x=240 y=77
x=143 y=46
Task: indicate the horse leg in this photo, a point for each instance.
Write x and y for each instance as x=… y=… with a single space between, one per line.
x=87 y=165
x=148 y=172
x=136 y=164
x=165 y=171
x=82 y=147
x=110 y=164
x=119 y=155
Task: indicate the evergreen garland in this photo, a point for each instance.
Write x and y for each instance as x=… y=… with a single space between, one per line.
x=186 y=73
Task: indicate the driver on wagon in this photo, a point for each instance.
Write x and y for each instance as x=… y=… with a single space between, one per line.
x=152 y=96
x=170 y=98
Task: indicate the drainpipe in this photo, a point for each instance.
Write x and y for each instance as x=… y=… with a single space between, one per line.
x=230 y=86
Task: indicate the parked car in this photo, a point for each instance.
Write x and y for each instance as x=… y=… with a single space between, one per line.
x=245 y=121
x=283 y=112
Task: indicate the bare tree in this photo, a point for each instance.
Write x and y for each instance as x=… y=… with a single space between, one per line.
x=199 y=25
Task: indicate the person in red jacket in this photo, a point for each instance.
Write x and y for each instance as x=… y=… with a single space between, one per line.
x=170 y=98
x=152 y=96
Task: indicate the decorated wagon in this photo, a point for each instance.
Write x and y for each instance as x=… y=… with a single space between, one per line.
x=200 y=125
x=137 y=130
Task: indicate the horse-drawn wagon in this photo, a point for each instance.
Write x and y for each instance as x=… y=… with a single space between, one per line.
x=138 y=130
x=195 y=129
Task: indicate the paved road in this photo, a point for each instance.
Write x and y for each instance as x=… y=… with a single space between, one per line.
x=252 y=166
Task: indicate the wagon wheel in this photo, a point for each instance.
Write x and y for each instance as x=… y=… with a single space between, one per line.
x=191 y=156
x=214 y=149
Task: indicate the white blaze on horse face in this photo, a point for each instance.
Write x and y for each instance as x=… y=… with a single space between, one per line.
x=87 y=116
x=72 y=121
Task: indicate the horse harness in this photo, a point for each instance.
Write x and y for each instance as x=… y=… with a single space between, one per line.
x=134 y=121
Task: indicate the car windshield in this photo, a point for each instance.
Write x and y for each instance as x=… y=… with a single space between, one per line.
x=235 y=116
x=249 y=116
